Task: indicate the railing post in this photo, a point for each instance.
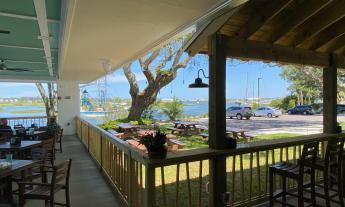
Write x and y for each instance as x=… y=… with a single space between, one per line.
x=330 y=96
x=130 y=175
x=217 y=118
x=150 y=186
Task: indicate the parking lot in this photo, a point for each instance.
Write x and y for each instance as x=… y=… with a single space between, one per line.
x=300 y=124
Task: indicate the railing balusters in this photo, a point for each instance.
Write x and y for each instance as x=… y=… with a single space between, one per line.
x=250 y=176
x=136 y=180
x=200 y=184
x=233 y=179
x=242 y=177
x=188 y=185
x=177 y=183
x=258 y=171
x=163 y=187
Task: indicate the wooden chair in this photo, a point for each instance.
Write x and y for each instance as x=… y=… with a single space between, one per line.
x=331 y=169
x=59 y=140
x=49 y=146
x=46 y=191
x=37 y=154
x=295 y=172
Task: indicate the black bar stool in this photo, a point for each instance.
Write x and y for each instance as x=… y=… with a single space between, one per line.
x=295 y=172
x=331 y=168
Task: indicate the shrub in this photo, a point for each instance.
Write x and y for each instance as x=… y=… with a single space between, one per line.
x=113 y=123
x=172 y=109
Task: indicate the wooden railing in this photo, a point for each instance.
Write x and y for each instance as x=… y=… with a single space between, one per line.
x=27 y=121
x=182 y=178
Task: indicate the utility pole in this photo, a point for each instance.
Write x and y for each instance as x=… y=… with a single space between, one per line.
x=259 y=91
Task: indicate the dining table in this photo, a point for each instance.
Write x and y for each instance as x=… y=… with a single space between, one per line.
x=34 y=135
x=238 y=133
x=188 y=127
x=128 y=128
x=6 y=173
x=20 y=149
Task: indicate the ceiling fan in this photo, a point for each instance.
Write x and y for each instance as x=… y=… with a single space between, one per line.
x=3 y=67
x=4 y=32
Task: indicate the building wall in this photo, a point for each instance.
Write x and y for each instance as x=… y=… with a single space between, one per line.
x=68 y=105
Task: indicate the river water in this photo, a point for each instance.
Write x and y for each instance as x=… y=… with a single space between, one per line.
x=191 y=109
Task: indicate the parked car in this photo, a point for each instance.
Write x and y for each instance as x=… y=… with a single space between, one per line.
x=267 y=111
x=239 y=112
x=301 y=109
x=340 y=109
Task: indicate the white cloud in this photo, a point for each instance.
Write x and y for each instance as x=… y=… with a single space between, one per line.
x=121 y=78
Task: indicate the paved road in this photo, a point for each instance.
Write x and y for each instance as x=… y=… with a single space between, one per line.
x=301 y=124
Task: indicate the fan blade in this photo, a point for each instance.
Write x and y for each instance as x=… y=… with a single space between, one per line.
x=19 y=70
x=5 y=32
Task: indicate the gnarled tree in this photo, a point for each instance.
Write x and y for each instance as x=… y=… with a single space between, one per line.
x=48 y=97
x=160 y=67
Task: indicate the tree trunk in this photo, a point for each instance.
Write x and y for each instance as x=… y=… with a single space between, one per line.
x=137 y=108
x=302 y=98
x=141 y=102
x=48 y=100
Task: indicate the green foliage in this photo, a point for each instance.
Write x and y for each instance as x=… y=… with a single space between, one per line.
x=113 y=123
x=172 y=109
x=304 y=80
x=288 y=102
x=255 y=105
x=276 y=103
x=154 y=142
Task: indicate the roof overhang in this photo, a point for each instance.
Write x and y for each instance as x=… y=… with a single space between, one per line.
x=283 y=31
x=102 y=35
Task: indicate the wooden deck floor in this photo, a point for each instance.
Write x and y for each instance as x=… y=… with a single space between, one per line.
x=88 y=187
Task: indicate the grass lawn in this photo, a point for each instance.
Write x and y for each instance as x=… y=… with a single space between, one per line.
x=234 y=177
x=342 y=124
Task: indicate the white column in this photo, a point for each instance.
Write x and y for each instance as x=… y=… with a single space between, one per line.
x=68 y=105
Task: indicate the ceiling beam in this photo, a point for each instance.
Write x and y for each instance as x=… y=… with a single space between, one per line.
x=300 y=14
x=24 y=61
x=200 y=38
x=259 y=18
x=325 y=36
x=317 y=23
x=24 y=47
x=19 y=16
x=333 y=45
x=257 y=50
x=26 y=79
x=40 y=7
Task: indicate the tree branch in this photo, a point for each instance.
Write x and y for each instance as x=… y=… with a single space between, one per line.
x=134 y=88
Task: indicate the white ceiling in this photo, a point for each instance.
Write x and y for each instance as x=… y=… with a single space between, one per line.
x=118 y=31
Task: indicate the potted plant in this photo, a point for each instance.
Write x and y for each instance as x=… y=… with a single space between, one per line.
x=155 y=144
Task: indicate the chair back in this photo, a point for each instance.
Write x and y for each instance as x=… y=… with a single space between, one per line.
x=60 y=134
x=309 y=154
x=334 y=151
x=48 y=145
x=61 y=174
x=39 y=154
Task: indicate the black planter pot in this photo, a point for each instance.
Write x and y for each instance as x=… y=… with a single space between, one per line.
x=157 y=154
x=231 y=143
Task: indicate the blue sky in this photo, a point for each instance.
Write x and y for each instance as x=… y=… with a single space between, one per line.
x=272 y=85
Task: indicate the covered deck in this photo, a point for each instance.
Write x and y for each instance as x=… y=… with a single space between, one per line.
x=88 y=187
x=284 y=32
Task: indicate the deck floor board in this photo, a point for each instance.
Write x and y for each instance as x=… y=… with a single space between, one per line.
x=88 y=187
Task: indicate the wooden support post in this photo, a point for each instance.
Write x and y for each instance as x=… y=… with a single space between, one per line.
x=150 y=186
x=217 y=118
x=330 y=96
